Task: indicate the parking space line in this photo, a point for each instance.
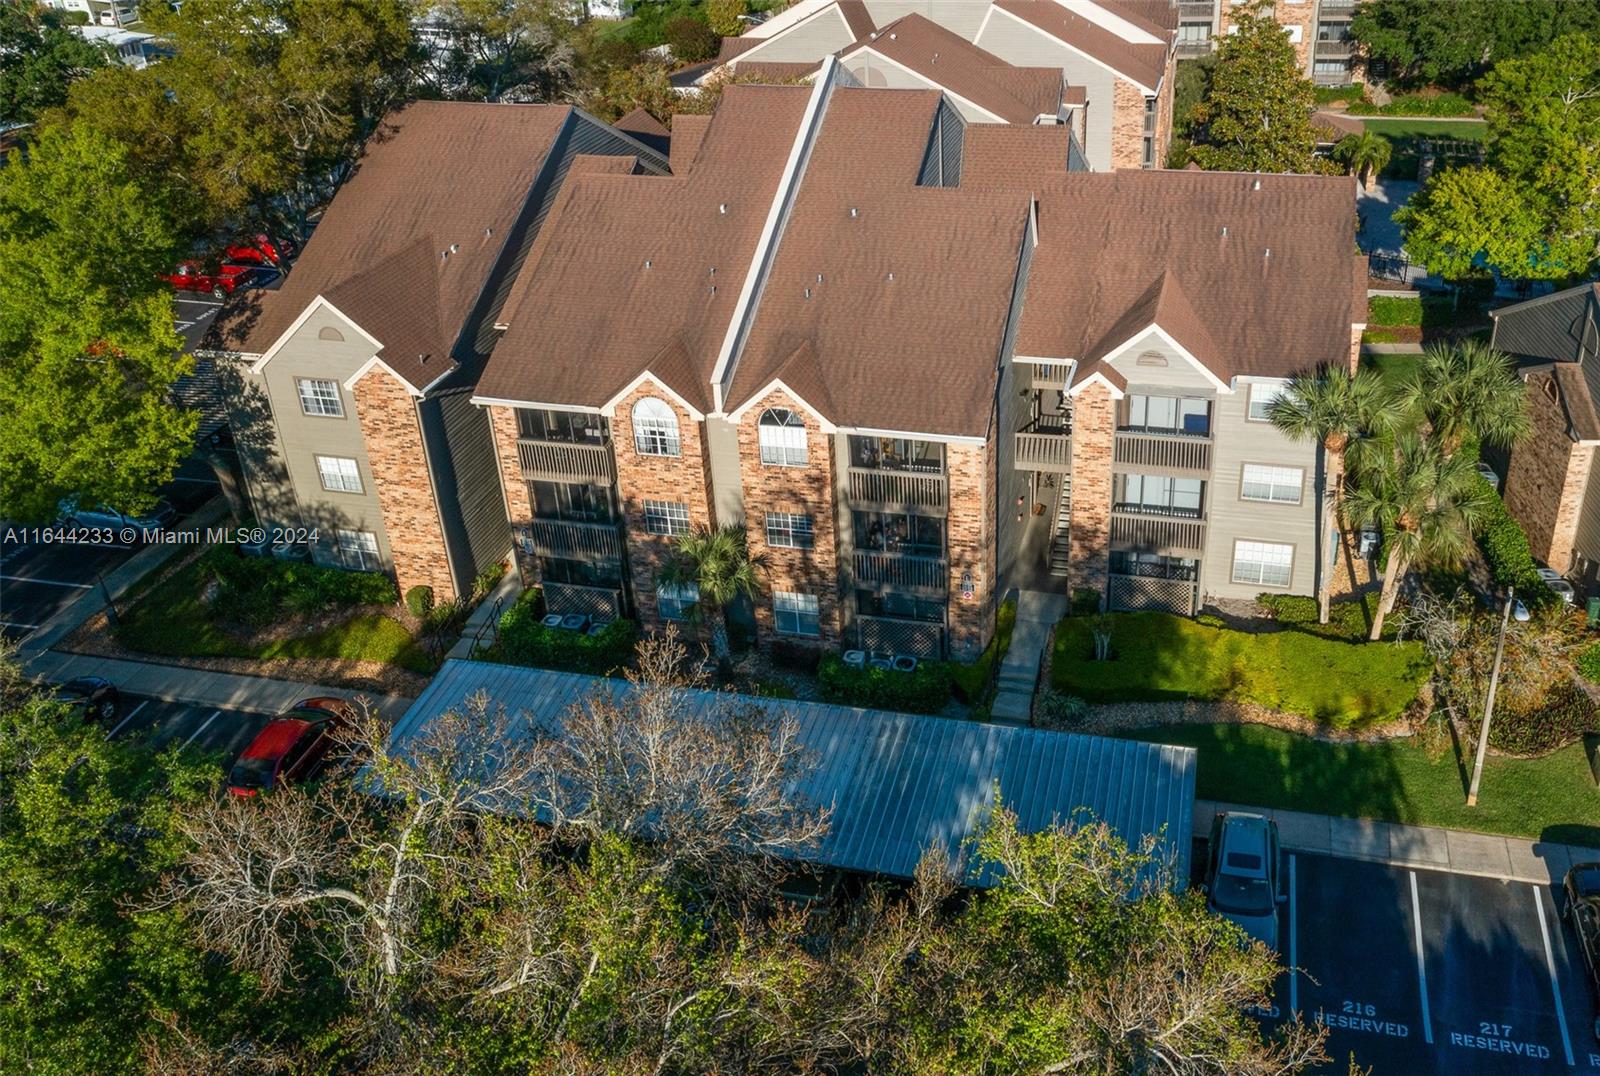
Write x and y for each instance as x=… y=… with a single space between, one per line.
x=45 y=582
x=1294 y=948
x=131 y=714
x=15 y=624
x=214 y=714
x=1422 y=972
x=1550 y=965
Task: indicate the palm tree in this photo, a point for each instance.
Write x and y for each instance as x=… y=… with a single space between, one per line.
x=1336 y=408
x=1424 y=500
x=719 y=563
x=1365 y=154
x=1469 y=390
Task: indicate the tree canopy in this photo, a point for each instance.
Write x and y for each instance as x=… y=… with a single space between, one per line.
x=1257 y=114
x=39 y=58
x=1452 y=42
x=88 y=351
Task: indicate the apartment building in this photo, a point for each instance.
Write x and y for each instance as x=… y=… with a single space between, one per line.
x=349 y=386
x=1319 y=30
x=998 y=62
x=1551 y=485
x=922 y=363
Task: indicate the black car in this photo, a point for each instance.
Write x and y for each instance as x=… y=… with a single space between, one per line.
x=92 y=696
x=1583 y=912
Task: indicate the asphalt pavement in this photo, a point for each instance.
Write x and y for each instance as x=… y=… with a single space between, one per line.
x=204 y=729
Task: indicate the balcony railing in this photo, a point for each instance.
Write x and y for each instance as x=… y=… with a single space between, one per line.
x=1197 y=9
x=602 y=604
x=1155 y=534
x=1334 y=50
x=887 y=635
x=1045 y=446
x=898 y=490
x=1050 y=375
x=900 y=572
x=565 y=460
x=577 y=541
x=1337 y=7
x=1165 y=453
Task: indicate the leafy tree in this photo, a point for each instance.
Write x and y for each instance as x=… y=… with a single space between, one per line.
x=1424 y=500
x=501 y=50
x=1365 y=154
x=619 y=90
x=39 y=58
x=1468 y=391
x=691 y=40
x=724 y=16
x=1453 y=41
x=87 y=346
x=720 y=564
x=1464 y=219
x=1334 y=408
x=1257 y=117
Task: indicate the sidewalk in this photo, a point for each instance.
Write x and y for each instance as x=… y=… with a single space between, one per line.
x=1458 y=851
x=198 y=687
x=1037 y=613
x=494 y=603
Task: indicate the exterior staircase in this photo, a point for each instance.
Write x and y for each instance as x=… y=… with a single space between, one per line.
x=1059 y=545
x=1037 y=613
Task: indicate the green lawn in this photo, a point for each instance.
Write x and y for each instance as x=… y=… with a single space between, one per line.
x=1156 y=656
x=1411 y=127
x=1394 y=781
x=1392 y=368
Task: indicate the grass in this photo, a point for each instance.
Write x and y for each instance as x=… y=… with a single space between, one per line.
x=1413 y=127
x=1394 y=781
x=1380 y=336
x=172 y=621
x=1157 y=657
x=1394 y=310
x=1392 y=368
x=974 y=678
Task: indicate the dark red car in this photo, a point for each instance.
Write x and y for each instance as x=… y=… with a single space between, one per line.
x=262 y=249
x=192 y=276
x=290 y=748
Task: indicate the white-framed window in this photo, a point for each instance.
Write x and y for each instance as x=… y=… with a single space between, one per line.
x=339 y=474
x=1263 y=482
x=666 y=517
x=1262 y=394
x=783 y=438
x=1264 y=564
x=359 y=549
x=319 y=397
x=796 y=614
x=675 y=601
x=790 y=530
x=655 y=428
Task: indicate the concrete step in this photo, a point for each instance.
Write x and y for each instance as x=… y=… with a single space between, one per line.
x=1012 y=706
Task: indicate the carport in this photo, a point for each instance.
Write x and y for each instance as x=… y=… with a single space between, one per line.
x=899 y=783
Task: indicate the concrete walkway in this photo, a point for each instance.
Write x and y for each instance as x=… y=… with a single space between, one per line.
x=496 y=602
x=1037 y=613
x=1427 y=847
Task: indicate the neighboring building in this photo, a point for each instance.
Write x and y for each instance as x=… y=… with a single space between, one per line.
x=1319 y=30
x=1551 y=486
x=352 y=381
x=921 y=363
x=1114 y=59
x=131 y=48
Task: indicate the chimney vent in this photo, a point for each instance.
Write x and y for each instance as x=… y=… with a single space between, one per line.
x=722 y=207
x=647 y=263
x=808 y=293
x=1256 y=185
x=455 y=247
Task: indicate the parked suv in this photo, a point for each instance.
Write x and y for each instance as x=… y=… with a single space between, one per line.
x=104 y=517
x=1583 y=912
x=93 y=697
x=1244 y=879
x=291 y=748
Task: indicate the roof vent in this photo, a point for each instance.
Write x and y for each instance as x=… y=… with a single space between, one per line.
x=455 y=247
x=808 y=293
x=444 y=255
x=891 y=36
x=487 y=232
x=891 y=278
x=647 y=263
x=819 y=278
x=854 y=212
x=935 y=58
x=1268 y=254
x=1224 y=231
x=722 y=207
x=423 y=359
x=713 y=270
x=713 y=289
x=1256 y=185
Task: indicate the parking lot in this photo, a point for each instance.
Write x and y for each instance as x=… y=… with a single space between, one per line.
x=1417 y=971
x=197 y=728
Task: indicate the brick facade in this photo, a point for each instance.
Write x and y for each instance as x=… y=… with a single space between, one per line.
x=1289 y=13
x=393 y=435
x=1094 y=424
x=1127 y=125
x=519 y=510
x=640 y=477
x=805 y=490
x=1545 y=482
x=970 y=541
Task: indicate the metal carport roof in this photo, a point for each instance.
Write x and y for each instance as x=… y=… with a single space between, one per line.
x=898 y=783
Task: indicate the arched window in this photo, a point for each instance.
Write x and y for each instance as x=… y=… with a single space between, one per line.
x=655 y=428
x=783 y=438
x=328 y=332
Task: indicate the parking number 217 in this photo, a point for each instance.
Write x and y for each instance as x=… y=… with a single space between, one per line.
x=1494 y=1031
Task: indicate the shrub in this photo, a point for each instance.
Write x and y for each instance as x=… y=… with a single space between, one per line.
x=1347 y=619
x=1393 y=310
x=256 y=590
x=1416 y=104
x=723 y=16
x=793 y=654
x=1589 y=663
x=1085 y=601
x=923 y=691
x=1327 y=95
x=691 y=40
x=969 y=681
x=1211 y=620
x=1505 y=548
x=1056 y=710
x=525 y=641
x=1565 y=714
x=419 y=600
x=487 y=580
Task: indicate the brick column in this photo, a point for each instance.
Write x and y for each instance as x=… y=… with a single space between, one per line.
x=1127 y=125
x=393 y=435
x=680 y=479
x=969 y=530
x=804 y=490
x=1356 y=328
x=519 y=510
x=1094 y=423
x=1570 y=508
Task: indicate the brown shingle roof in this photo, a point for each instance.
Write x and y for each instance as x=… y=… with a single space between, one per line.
x=777 y=70
x=437 y=173
x=1144 y=64
x=643 y=126
x=1018 y=158
x=1159 y=17
x=857 y=17
x=1015 y=94
x=688 y=131
x=587 y=316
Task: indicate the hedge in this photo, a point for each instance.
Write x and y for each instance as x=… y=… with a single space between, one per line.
x=1392 y=310
x=1416 y=104
x=1505 y=550
x=1563 y=716
x=524 y=640
x=255 y=591
x=923 y=691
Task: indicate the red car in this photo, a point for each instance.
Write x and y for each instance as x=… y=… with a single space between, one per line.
x=191 y=276
x=262 y=249
x=290 y=748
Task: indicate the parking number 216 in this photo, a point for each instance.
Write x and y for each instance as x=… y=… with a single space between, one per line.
x=1359 y=1008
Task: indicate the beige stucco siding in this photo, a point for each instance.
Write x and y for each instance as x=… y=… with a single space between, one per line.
x=1020 y=45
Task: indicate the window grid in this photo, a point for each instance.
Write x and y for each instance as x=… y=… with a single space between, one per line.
x=676 y=601
x=1280 y=485
x=790 y=530
x=655 y=429
x=359 y=550
x=319 y=397
x=666 y=517
x=783 y=439
x=1266 y=564
x=1261 y=398
x=796 y=614
x=339 y=474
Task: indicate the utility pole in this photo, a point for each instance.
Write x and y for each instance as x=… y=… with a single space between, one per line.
x=1488 y=704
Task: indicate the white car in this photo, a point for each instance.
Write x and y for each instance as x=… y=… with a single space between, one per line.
x=1243 y=879
x=1489 y=475
x=1564 y=590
